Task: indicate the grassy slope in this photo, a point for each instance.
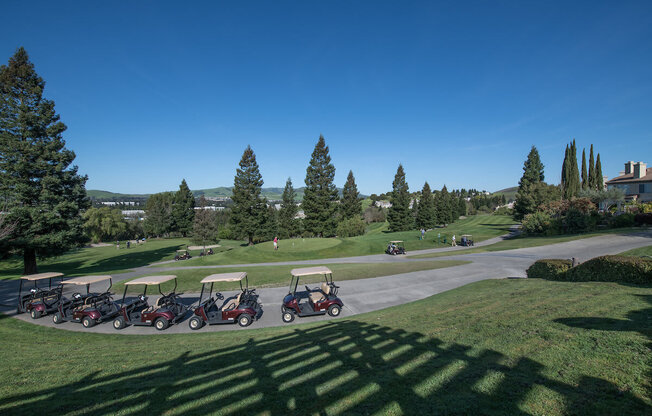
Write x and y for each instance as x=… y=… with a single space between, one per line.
x=493 y=347
x=639 y=252
x=270 y=276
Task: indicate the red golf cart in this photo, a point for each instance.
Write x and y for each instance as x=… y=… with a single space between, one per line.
x=317 y=301
x=395 y=247
x=39 y=301
x=89 y=309
x=182 y=255
x=242 y=308
x=167 y=309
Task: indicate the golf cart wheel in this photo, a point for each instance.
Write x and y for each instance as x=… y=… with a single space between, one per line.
x=195 y=323
x=244 y=319
x=161 y=324
x=57 y=318
x=35 y=314
x=119 y=323
x=334 y=310
x=88 y=322
x=287 y=317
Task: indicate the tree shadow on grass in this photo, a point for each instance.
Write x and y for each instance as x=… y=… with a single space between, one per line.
x=345 y=367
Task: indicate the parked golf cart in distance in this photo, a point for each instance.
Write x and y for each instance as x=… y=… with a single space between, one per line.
x=395 y=247
x=466 y=240
x=243 y=308
x=182 y=255
x=317 y=301
x=89 y=309
x=168 y=309
x=39 y=301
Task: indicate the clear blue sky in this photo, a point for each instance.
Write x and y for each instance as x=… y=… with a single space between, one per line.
x=153 y=92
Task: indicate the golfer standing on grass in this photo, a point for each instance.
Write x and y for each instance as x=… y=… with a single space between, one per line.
x=275 y=243
x=453 y=242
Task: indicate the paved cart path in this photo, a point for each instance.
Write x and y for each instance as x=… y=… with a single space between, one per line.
x=367 y=295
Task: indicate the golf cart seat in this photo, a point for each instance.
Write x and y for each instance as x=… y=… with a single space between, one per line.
x=232 y=303
x=318 y=296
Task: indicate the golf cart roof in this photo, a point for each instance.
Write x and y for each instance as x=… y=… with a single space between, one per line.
x=467 y=235
x=151 y=280
x=224 y=277
x=86 y=280
x=40 y=276
x=182 y=249
x=397 y=241
x=307 y=271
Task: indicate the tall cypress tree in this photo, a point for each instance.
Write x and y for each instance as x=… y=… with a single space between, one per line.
x=592 y=175
x=599 y=180
x=184 y=209
x=575 y=172
x=249 y=212
x=564 y=170
x=585 y=179
x=288 y=225
x=41 y=189
x=399 y=216
x=320 y=194
x=426 y=216
x=351 y=205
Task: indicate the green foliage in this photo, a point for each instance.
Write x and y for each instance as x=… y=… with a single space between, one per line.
x=41 y=190
x=426 y=215
x=443 y=207
x=532 y=196
x=532 y=168
x=599 y=179
x=570 y=173
x=549 y=269
x=350 y=206
x=351 y=227
x=374 y=214
x=585 y=179
x=183 y=210
x=612 y=269
x=159 y=220
x=249 y=211
x=204 y=227
x=104 y=224
x=320 y=195
x=592 y=181
x=399 y=216
x=623 y=220
x=461 y=206
x=288 y=225
x=539 y=222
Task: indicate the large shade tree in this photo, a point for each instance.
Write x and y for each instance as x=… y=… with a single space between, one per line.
x=40 y=188
x=320 y=195
x=249 y=212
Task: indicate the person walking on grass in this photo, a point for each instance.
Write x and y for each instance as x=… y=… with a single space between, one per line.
x=423 y=233
x=453 y=241
x=275 y=243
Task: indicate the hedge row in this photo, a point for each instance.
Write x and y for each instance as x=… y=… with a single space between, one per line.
x=600 y=269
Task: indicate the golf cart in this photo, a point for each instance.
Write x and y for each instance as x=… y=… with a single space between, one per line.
x=243 y=308
x=466 y=240
x=167 y=309
x=39 y=301
x=395 y=247
x=317 y=301
x=89 y=309
x=182 y=255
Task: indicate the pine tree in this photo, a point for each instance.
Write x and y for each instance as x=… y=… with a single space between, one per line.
x=585 y=179
x=42 y=192
x=426 y=217
x=204 y=226
x=320 y=194
x=249 y=212
x=288 y=225
x=351 y=205
x=599 y=180
x=159 y=220
x=532 y=175
x=461 y=206
x=592 y=175
x=444 y=208
x=533 y=168
x=183 y=211
x=399 y=215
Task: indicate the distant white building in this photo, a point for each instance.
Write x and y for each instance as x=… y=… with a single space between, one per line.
x=211 y=208
x=383 y=204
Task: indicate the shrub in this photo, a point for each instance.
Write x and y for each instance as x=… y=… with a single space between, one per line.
x=374 y=214
x=612 y=269
x=225 y=234
x=577 y=221
x=643 y=219
x=539 y=223
x=549 y=269
x=623 y=220
x=351 y=227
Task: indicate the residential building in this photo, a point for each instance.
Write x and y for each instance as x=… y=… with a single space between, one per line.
x=635 y=182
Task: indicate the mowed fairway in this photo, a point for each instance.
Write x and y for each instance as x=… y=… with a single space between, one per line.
x=492 y=347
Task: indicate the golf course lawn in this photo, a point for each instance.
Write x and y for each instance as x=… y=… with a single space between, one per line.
x=270 y=276
x=491 y=347
x=639 y=252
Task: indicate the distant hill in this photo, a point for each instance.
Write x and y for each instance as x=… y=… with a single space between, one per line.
x=510 y=193
x=97 y=194
x=222 y=191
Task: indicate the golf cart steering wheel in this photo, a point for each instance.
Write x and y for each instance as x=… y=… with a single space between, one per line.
x=219 y=296
x=76 y=295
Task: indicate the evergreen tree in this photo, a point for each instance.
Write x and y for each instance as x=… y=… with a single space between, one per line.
x=585 y=179
x=249 y=211
x=461 y=207
x=104 y=224
x=426 y=216
x=399 y=215
x=575 y=172
x=183 y=211
x=288 y=225
x=570 y=173
x=320 y=195
x=204 y=225
x=42 y=192
x=159 y=220
x=532 y=175
x=564 y=170
x=351 y=205
x=533 y=168
x=444 y=215
x=592 y=175
x=599 y=180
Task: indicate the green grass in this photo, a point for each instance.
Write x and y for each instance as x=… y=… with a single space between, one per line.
x=639 y=252
x=273 y=276
x=522 y=241
x=373 y=242
x=492 y=347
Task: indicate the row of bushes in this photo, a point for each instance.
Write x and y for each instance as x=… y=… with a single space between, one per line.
x=600 y=269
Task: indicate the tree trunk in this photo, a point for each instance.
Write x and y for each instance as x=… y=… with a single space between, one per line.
x=29 y=261
x=251 y=240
